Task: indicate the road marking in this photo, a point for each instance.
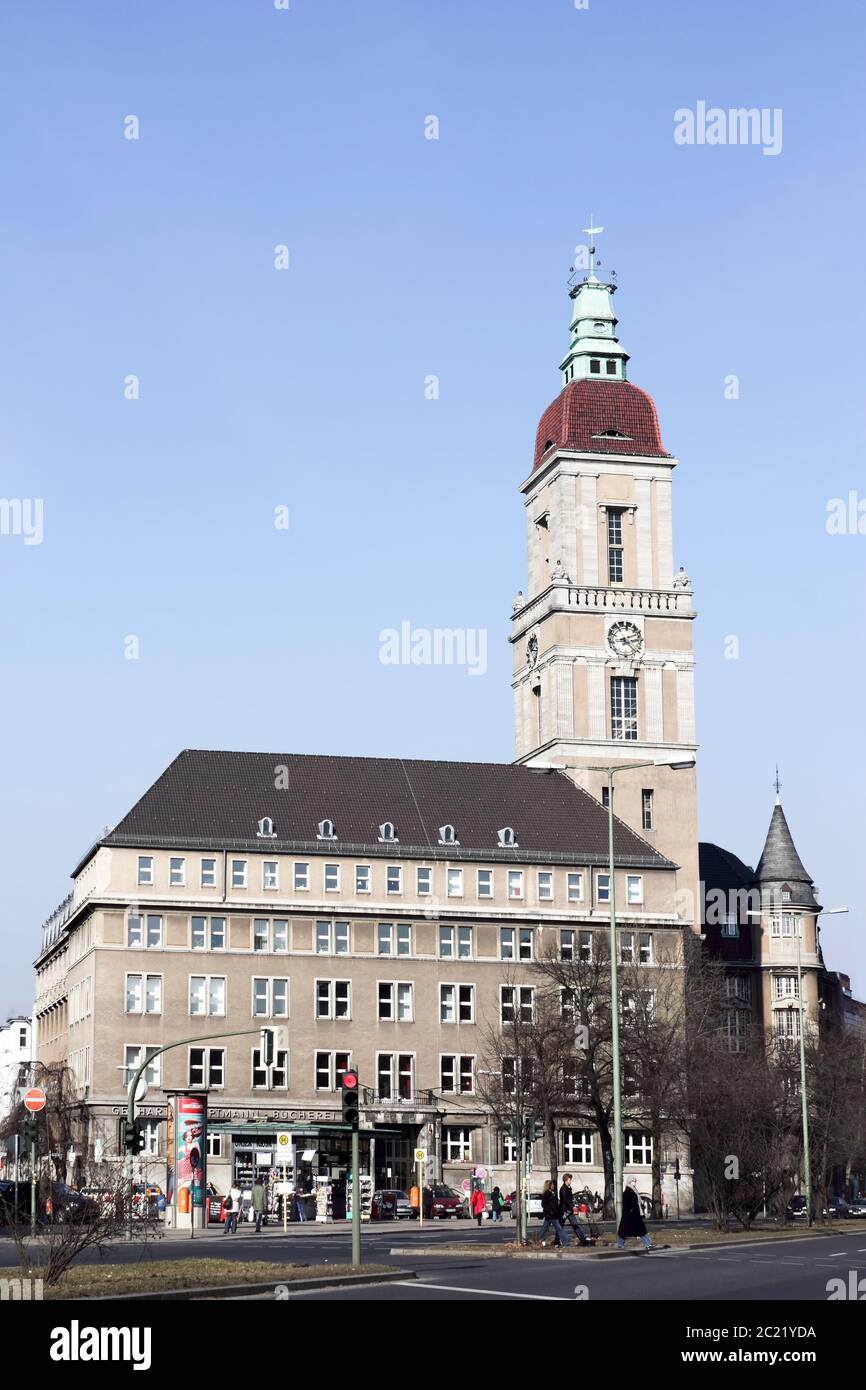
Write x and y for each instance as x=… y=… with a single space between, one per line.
x=493 y=1293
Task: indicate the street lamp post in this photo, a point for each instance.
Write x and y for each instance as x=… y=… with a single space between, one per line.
x=610 y=771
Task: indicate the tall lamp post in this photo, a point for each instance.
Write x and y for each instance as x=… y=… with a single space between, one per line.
x=611 y=771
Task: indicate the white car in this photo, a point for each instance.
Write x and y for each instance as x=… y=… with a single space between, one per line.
x=534 y=1207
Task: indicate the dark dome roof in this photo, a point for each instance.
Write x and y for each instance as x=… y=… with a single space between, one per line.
x=600 y=417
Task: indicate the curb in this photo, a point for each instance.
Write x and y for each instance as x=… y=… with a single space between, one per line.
x=232 y=1290
x=504 y=1252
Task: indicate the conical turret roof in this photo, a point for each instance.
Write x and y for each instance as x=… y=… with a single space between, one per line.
x=780 y=864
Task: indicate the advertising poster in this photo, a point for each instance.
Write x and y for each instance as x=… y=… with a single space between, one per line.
x=190 y=1160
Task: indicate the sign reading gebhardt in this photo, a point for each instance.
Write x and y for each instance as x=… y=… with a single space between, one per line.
x=190 y=1128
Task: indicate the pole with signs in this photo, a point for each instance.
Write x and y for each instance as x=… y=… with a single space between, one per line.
x=420 y=1160
x=284 y=1157
x=34 y=1101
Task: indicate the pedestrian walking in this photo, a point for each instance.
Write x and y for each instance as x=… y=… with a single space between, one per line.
x=233 y=1212
x=478 y=1204
x=496 y=1205
x=566 y=1209
x=300 y=1205
x=550 y=1211
x=427 y=1202
x=632 y=1222
x=259 y=1203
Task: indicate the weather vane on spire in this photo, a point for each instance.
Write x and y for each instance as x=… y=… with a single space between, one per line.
x=777 y=784
x=592 y=232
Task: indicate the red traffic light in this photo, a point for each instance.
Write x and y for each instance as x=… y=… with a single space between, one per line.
x=350 y=1080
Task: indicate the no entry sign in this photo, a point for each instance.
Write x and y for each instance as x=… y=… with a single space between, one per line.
x=34 y=1100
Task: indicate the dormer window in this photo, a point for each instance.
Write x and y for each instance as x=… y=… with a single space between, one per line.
x=595 y=366
x=386 y=832
x=266 y=829
x=786 y=893
x=325 y=830
x=507 y=838
x=610 y=366
x=448 y=835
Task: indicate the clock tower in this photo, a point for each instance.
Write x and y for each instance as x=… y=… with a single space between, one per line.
x=602 y=638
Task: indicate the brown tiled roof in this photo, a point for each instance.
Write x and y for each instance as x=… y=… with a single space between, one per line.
x=600 y=417
x=217 y=798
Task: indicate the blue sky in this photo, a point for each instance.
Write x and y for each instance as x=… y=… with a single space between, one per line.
x=305 y=387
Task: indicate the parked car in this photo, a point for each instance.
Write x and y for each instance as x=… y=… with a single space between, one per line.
x=68 y=1205
x=107 y=1202
x=857 y=1206
x=447 y=1202
x=837 y=1207
x=796 y=1209
x=535 y=1208
x=391 y=1204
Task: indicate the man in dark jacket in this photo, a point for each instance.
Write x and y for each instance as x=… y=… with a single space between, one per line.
x=550 y=1212
x=566 y=1209
x=632 y=1223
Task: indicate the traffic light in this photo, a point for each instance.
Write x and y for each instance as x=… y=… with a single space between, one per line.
x=349 y=1086
x=31 y=1129
x=267 y=1047
x=135 y=1136
x=538 y=1130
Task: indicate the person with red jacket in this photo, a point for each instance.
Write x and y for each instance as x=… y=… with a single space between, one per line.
x=478 y=1204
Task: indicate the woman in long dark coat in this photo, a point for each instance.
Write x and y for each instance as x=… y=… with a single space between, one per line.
x=631 y=1223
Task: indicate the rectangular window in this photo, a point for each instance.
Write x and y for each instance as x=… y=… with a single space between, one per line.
x=595 y=366
x=302 y=878
x=395 y=1002
x=270 y=1078
x=456 y=1144
x=623 y=707
x=455 y=883
x=730 y=925
x=176 y=873
x=206 y=1066
x=281 y=936
x=485 y=883
x=610 y=366
x=605 y=798
x=134 y=993
x=626 y=948
x=577 y=1146
x=638 y=1148
x=513 y=998
x=332 y=878
x=575 y=888
x=515 y=883
x=239 y=873
x=333 y=998
x=208 y=873
x=645 y=947
x=457 y=1074
x=614 y=545
x=270 y=874
x=736 y=1025
x=739 y=987
x=785 y=987
x=634 y=889
x=515 y=943
x=584 y=947
x=602 y=888
x=214 y=1144
x=393 y=939
x=395 y=1074
x=424 y=882
x=261 y=934
x=332 y=938
x=362 y=878
x=145 y=868
x=393 y=879
x=208 y=934
x=207 y=995
x=646 y=800
x=134 y=1056
x=144 y=931
x=329 y=1069
x=566 y=944
x=455 y=943
x=545 y=886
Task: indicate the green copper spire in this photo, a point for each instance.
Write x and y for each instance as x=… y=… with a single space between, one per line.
x=594 y=352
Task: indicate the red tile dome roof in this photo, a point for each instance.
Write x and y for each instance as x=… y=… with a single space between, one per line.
x=600 y=417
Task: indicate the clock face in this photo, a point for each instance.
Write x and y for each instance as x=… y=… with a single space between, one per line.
x=625 y=639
